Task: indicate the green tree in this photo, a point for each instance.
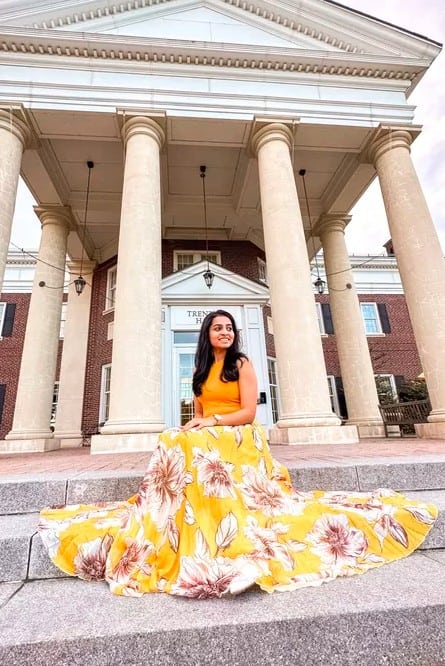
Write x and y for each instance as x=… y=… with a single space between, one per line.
x=415 y=389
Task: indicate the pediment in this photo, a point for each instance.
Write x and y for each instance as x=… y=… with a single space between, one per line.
x=189 y=285
x=310 y=25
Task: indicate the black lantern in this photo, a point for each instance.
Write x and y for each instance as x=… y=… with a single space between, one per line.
x=80 y=282
x=319 y=284
x=208 y=275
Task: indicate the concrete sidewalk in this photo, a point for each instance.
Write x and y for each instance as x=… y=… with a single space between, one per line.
x=369 y=451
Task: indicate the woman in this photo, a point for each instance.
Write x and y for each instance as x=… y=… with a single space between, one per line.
x=215 y=513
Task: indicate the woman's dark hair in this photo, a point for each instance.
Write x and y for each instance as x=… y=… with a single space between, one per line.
x=204 y=357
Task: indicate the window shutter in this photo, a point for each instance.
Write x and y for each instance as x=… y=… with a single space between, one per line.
x=8 y=321
x=327 y=318
x=341 y=397
x=2 y=399
x=399 y=380
x=384 y=319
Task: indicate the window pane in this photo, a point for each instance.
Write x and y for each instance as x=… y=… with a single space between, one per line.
x=181 y=337
x=370 y=317
x=184 y=260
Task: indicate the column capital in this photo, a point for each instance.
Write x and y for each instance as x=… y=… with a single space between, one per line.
x=17 y=127
x=75 y=265
x=60 y=215
x=271 y=132
x=143 y=125
x=332 y=222
x=387 y=139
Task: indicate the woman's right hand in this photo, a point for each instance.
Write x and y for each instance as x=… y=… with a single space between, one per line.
x=199 y=422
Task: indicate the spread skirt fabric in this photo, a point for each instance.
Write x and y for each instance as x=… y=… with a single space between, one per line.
x=215 y=514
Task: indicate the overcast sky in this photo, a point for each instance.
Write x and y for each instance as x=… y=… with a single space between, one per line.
x=368 y=229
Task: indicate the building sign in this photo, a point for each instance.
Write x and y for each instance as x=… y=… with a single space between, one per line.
x=191 y=317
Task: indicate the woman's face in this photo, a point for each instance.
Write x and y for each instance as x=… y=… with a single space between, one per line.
x=221 y=333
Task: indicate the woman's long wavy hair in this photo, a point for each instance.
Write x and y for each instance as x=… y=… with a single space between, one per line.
x=204 y=357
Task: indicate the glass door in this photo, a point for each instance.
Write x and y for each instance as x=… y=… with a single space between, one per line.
x=183 y=394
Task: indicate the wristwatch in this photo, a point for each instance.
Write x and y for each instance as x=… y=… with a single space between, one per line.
x=218 y=418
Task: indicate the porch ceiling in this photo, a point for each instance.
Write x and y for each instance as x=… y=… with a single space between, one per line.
x=55 y=170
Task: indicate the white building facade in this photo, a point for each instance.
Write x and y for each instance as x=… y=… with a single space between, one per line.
x=270 y=100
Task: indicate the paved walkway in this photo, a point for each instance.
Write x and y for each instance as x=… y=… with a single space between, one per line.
x=366 y=452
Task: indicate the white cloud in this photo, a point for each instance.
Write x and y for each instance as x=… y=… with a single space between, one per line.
x=369 y=230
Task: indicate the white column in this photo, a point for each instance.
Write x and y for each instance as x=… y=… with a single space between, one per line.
x=305 y=404
x=352 y=345
x=68 y=427
x=420 y=261
x=14 y=137
x=135 y=417
x=31 y=424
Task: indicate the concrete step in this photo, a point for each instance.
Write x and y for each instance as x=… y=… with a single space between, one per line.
x=22 y=555
x=392 y=616
x=27 y=494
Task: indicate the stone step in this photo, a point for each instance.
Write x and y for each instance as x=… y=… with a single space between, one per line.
x=22 y=555
x=27 y=494
x=392 y=615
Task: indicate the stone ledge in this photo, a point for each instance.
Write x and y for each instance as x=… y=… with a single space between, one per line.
x=392 y=615
x=22 y=554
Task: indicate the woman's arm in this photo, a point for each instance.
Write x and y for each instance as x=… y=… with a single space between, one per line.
x=248 y=387
x=197 y=408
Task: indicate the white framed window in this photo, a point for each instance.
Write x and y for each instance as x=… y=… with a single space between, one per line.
x=54 y=404
x=386 y=388
x=371 y=319
x=110 y=294
x=2 y=316
x=63 y=320
x=320 y=319
x=104 y=406
x=262 y=270
x=182 y=259
x=333 y=394
x=273 y=383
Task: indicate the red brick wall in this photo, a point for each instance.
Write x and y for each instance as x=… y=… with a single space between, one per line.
x=99 y=348
x=11 y=349
x=394 y=353
x=10 y=354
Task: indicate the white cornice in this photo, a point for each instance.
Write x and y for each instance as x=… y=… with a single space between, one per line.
x=328 y=23
x=239 y=56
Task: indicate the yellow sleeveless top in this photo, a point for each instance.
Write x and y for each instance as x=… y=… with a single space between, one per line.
x=219 y=397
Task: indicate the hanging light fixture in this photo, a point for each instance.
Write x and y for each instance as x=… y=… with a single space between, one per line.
x=319 y=284
x=208 y=275
x=80 y=282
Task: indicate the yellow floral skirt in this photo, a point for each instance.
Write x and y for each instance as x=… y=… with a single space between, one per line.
x=215 y=514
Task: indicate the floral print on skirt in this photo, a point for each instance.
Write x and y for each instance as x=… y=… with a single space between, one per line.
x=215 y=514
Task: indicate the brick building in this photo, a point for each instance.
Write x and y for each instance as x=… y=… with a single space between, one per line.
x=153 y=129
x=389 y=333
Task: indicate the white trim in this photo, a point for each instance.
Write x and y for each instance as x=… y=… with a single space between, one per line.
x=2 y=316
x=110 y=292
x=333 y=394
x=392 y=381
x=197 y=256
x=379 y=332
x=262 y=271
x=102 y=404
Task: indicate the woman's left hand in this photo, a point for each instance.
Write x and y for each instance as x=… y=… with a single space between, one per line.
x=198 y=423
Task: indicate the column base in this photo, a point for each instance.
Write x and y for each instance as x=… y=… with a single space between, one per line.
x=69 y=439
x=131 y=427
x=430 y=430
x=9 y=445
x=314 y=435
x=124 y=443
x=366 y=431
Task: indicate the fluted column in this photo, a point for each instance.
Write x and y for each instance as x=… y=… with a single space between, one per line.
x=304 y=396
x=31 y=424
x=420 y=261
x=68 y=426
x=352 y=346
x=135 y=393
x=14 y=137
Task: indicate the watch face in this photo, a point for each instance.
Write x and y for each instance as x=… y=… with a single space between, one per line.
x=218 y=417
